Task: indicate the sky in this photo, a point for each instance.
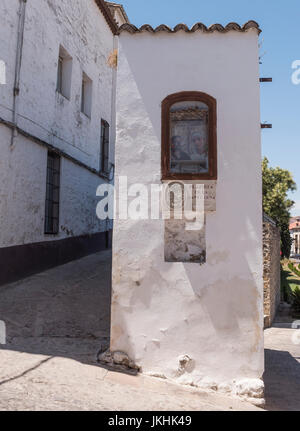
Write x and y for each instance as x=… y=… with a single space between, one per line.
x=280 y=38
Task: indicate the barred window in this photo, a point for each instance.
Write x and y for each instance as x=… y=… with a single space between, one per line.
x=104 y=151
x=52 y=194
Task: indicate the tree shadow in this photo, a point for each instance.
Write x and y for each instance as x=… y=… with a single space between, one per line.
x=282 y=381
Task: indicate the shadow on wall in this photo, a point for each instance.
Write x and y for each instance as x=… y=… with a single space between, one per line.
x=22 y=261
x=232 y=309
x=282 y=381
x=222 y=302
x=234 y=240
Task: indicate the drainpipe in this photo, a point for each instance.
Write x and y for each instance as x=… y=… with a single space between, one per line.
x=113 y=107
x=16 y=90
x=113 y=128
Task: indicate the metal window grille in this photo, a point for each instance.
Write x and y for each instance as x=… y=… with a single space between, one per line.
x=104 y=160
x=52 y=194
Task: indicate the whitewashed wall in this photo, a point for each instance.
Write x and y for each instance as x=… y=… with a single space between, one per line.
x=23 y=191
x=211 y=313
x=80 y=27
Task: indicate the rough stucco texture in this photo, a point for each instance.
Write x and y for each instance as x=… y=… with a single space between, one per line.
x=22 y=195
x=80 y=28
x=271 y=250
x=200 y=325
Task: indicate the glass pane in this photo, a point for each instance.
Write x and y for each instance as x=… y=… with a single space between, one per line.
x=189 y=138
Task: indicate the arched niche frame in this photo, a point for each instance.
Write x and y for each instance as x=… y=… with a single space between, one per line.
x=189 y=137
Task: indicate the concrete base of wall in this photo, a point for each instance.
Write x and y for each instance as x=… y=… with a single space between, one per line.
x=24 y=260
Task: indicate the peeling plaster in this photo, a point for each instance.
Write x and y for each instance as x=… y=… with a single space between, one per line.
x=206 y=320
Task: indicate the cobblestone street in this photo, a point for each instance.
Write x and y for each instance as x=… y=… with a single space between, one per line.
x=58 y=320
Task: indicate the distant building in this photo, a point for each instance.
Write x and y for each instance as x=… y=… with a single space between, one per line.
x=295 y=234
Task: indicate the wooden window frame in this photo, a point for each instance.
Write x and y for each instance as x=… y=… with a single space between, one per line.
x=189 y=96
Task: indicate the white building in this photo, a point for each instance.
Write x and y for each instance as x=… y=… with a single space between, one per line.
x=188 y=306
x=295 y=234
x=57 y=123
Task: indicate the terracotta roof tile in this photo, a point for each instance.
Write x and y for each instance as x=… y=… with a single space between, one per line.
x=107 y=15
x=112 y=6
x=232 y=26
x=295 y=225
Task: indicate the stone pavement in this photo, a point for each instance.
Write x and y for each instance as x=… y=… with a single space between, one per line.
x=282 y=364
x=58 y=320
x=43 y=382
x=71 y=301
x=56 y=323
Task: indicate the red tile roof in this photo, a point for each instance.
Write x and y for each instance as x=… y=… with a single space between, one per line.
x=295 y=225
x=130 y=28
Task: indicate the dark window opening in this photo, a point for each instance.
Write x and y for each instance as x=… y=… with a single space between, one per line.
x=104 y=156
x=64 y=73
x=86 y=95
x=82 y=95
x=52 y=194
x=60 y=75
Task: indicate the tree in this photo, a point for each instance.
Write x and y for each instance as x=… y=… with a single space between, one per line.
x=277 y=183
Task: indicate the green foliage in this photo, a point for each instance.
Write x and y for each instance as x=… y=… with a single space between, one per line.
x=284 y=285
x=277 y=183
x=286 y=240
x=289 y=281
x=287 y=294
x=296 y=299
x=293 y=269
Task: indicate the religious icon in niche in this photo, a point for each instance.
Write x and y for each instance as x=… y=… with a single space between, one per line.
x=189 y=142
x=189 y=137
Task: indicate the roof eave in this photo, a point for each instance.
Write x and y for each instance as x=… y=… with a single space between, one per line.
x=107 y=15
x=232 y=26
x=120 y=7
